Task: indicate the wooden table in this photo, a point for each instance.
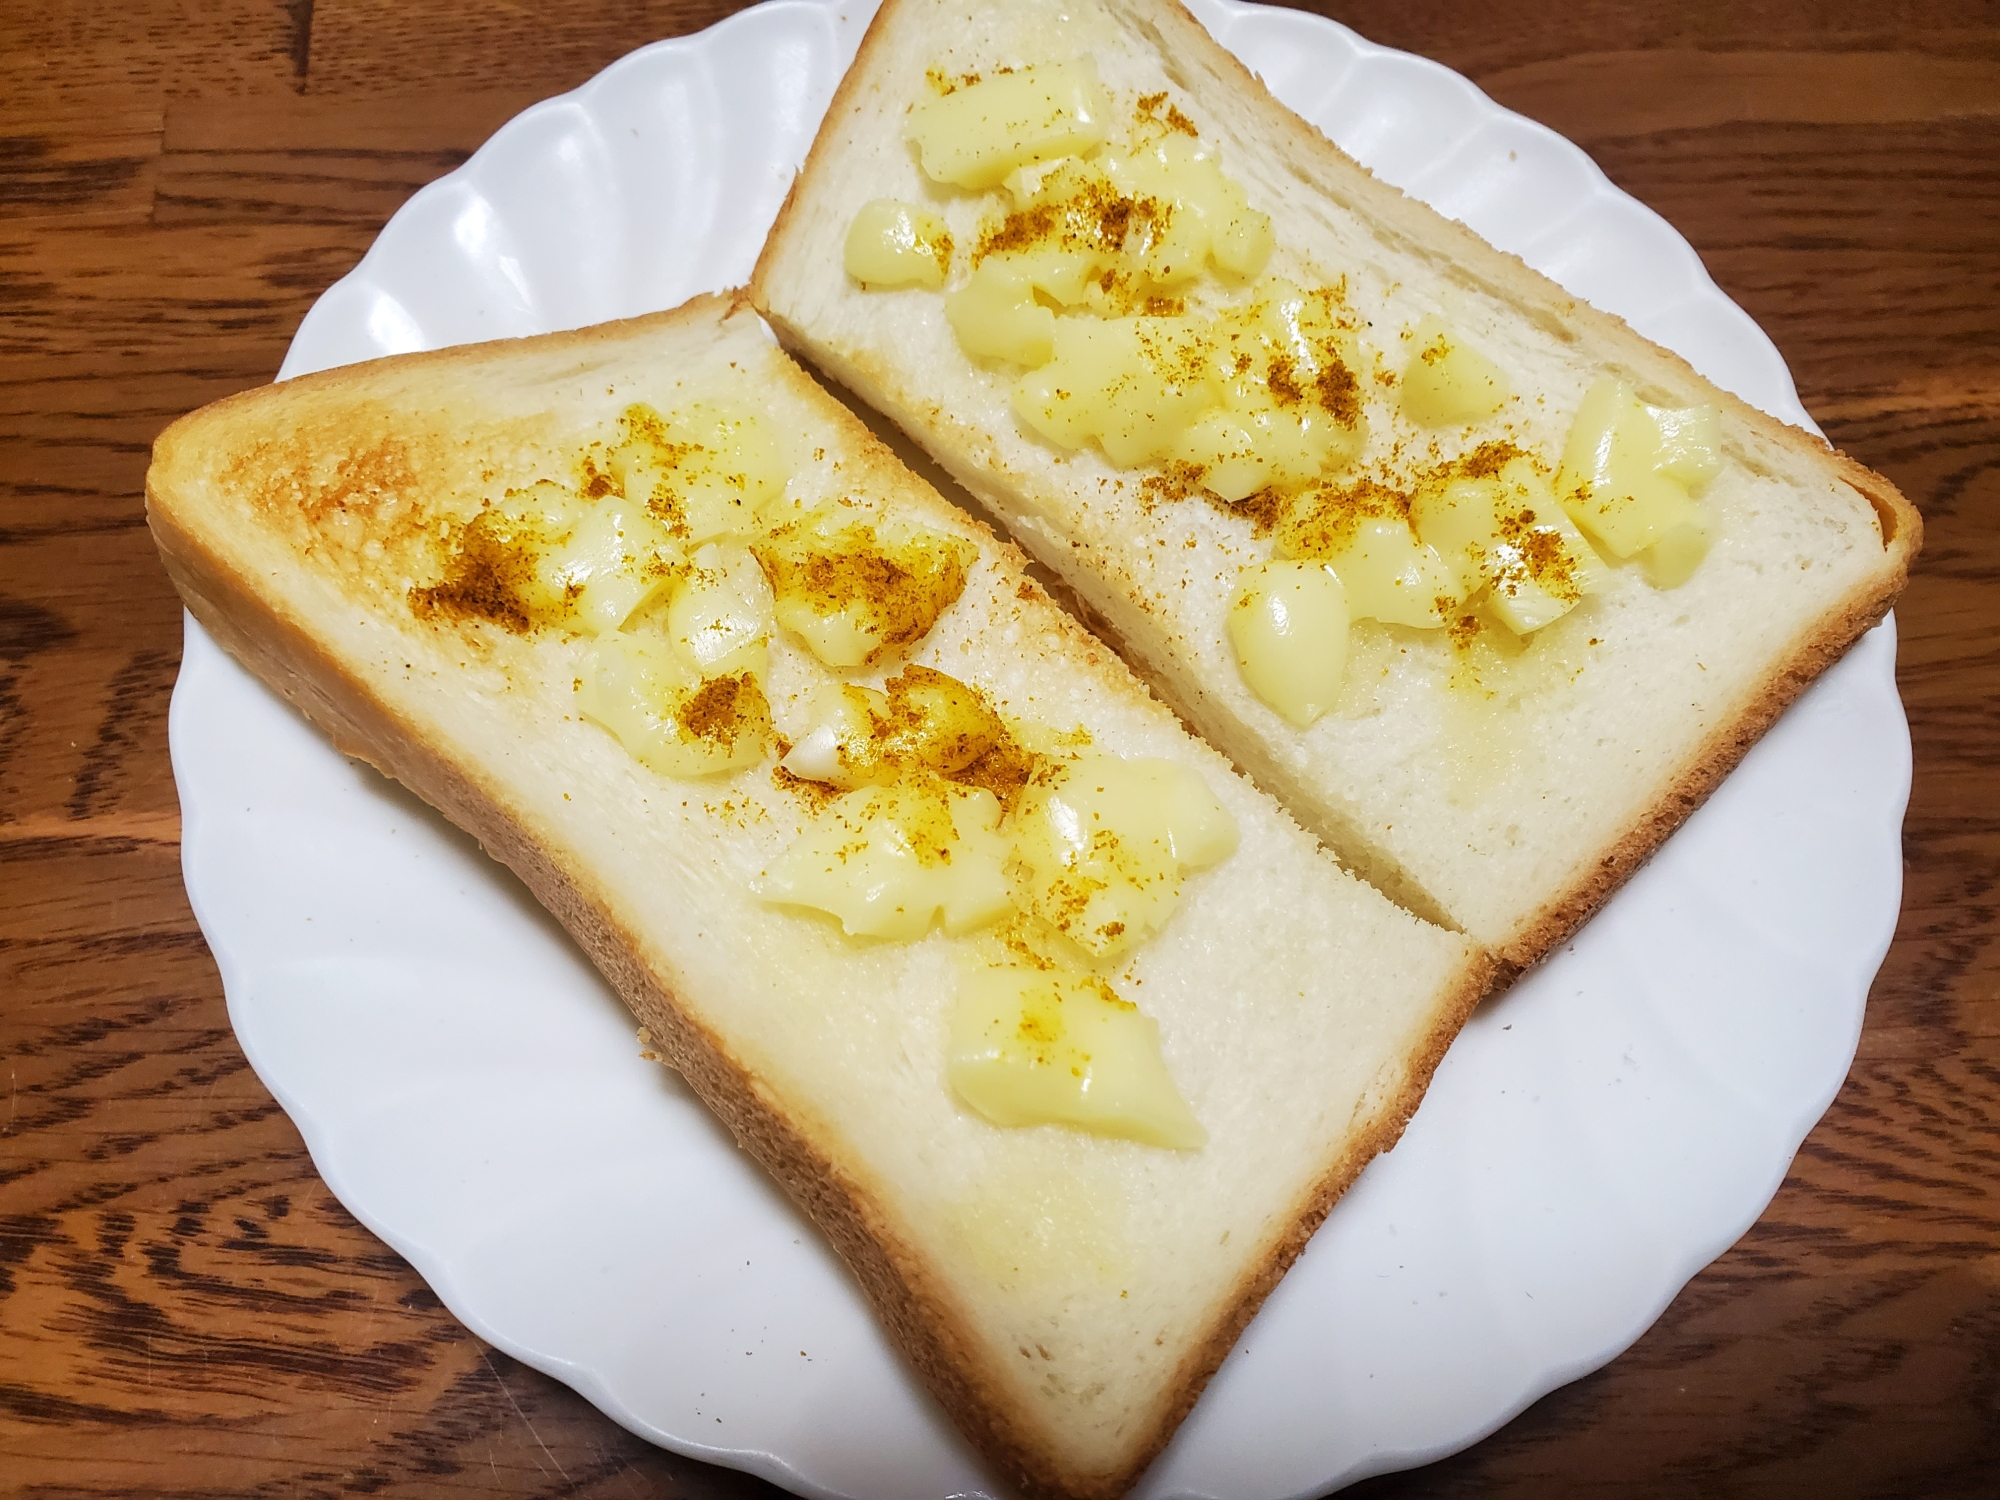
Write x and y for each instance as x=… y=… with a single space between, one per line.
x=184 y=1308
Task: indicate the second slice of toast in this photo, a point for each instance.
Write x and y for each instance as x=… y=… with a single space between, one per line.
x=1501 y=786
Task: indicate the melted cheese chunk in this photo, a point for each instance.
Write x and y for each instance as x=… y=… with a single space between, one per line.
x=545 y=556
x=888 y=860
x=722 y=612
x=1113 y=232
x=1291 y=406
x=1207 y=217
x=853 y=594
x=1627 y=477
x=1057 y=1046
x=1447 y=382
x=1133 y=385
x=1259 y=396
x=1102 y=845
x=1507 y=533
x=1362 y=532
x=892 y=243
x=924 y=721
x=987 y=127
x=705 y=471
x=1288 y=629
x=614 y=559
x=1080 y=278
x=995 y=314
x=670 y=717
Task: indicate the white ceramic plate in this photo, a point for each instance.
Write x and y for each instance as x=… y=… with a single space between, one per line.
x=472 y=1091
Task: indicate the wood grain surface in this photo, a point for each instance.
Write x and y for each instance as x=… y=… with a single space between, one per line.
x=184 y=1308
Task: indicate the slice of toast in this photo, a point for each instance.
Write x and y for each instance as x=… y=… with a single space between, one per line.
x=1064 y=1294
x=1500 y=787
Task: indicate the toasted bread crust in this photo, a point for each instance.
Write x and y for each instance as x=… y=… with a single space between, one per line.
x=1720 y=754
x=1474 y=983
x=825 y=144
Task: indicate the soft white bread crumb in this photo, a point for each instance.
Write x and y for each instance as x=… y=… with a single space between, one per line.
x=1064 y=1295
x=1509 y=807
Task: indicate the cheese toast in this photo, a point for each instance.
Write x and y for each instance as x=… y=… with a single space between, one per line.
x=1007 y=200
x=1064 y=1285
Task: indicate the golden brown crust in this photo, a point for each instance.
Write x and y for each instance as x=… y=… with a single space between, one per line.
x=169 y=446
x=823 y=146
x=1713 y=760
x=1455 y=1007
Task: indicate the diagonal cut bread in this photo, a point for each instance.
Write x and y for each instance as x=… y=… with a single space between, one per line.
x=1502 y=792
x=1065 y=1295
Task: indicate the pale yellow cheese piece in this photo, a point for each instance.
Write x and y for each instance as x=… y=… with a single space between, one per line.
x=1211 y=216
x=1132 y=384
x=1288 y=629
x=892 y=243
x=1261 y=395
x=614 y=561
x=722 y=612
x=1031 y=1046
x=889 y=860
x=1102 y=844
x=985 y=128
x=525 y=528
x=995 y=314
x=1242 y=452
x=1242 y=449
x=1155 y=217
x=1691 y=454
x=597 y=561
x=662 y=709
x=851 y=592
x=1447 y=382
x=1626 y=472
x=925 y=721
x=1064 y=274
x=707 y=470
x=838 y=744
x=1506 y=533
x=1392 y=575
x=1690 y=443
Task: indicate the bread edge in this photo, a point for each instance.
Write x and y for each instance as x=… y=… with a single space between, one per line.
x=1475 y=979
x=1705 y=770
